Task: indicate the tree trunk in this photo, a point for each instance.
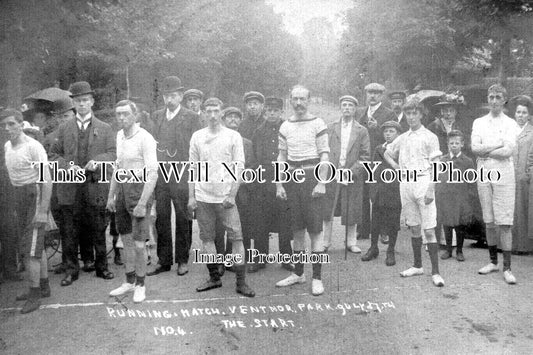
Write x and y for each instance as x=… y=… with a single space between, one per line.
x=505 y=58
x=128 y=92
x=14 y=82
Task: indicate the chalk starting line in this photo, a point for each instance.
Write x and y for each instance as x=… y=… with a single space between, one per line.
x=95 y=304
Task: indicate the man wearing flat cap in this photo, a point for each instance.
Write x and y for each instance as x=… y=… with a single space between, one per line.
x=174 y=126
x=193 y=99
x=62 y=110
x=273 y=213
x=214 y=200
x=372 y=117
x=349 y=144
x=253 y=102
x=232 y=118
x=81 y=142
x=397 y=100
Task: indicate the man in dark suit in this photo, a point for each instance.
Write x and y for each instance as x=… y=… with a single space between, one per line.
x=372 y=117
x=349 y=145
x=80 y=144
x=397 y=100
x=174 y=126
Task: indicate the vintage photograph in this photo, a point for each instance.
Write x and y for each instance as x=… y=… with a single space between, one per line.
x=266 y=176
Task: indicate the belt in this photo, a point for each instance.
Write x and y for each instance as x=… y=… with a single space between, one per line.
x=304 y=164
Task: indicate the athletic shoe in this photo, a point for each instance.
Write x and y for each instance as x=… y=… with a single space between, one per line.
x=509 y=277
x=124 y=288
x=291 y=280
x=317 y=288
x=354 y=249
x=139 y=294
x=412 y=271
x=487 y=269
x=437 y=280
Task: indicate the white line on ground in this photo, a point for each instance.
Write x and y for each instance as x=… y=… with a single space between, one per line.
x=93 y=304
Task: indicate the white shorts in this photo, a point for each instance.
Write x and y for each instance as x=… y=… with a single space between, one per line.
x=414 y=209
x=497 y=199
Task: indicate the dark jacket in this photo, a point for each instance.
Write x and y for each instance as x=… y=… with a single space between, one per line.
x=455 y=201
x=187 y=122
x=382 y=115
x=102 y=147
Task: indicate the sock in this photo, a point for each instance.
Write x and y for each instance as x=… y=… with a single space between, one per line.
x=448 y=235
x=493 y=253
x=506 y=260
x=298 y=267
x=460 y=234
x=374 y=237
x=139 y=281
x=213 y=271
x=416 y=243
x=317 y=269
x=434 y=257
x=130 y=277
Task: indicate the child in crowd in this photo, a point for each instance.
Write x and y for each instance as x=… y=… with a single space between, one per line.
x=455 y=201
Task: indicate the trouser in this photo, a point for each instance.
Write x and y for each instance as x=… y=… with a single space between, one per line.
x=365 y=227
x=273 y=216
x=460 y=233
x=165 y=195
x=248 y=227
x=55 y=208
x=84 y=223
x=8 y=240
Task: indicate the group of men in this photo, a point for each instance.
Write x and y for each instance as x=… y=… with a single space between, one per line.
x=231 y=213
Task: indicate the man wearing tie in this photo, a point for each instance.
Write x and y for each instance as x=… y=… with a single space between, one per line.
x=80 y=144
x=174 y=126
x=372 y=117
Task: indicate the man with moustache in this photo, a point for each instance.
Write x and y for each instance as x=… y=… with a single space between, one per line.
x=81 y=143
x=303 y=144
x=372 y=117
x=349 y=145
x=274 y=213
x=397 y=100
x=232 y=118
x=214 y=200
x=174 y=126
x=253 y=102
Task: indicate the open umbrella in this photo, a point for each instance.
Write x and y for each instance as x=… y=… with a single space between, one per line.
x=48 y=94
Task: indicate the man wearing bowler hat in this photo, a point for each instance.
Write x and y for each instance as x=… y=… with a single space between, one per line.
x=397 y=100
x=372 y=117
x=174 y=126
x=81 y=143
x=193 y=99
x=253 y=102
x=349 y=145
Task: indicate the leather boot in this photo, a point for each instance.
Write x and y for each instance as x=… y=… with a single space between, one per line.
x=33 y=301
